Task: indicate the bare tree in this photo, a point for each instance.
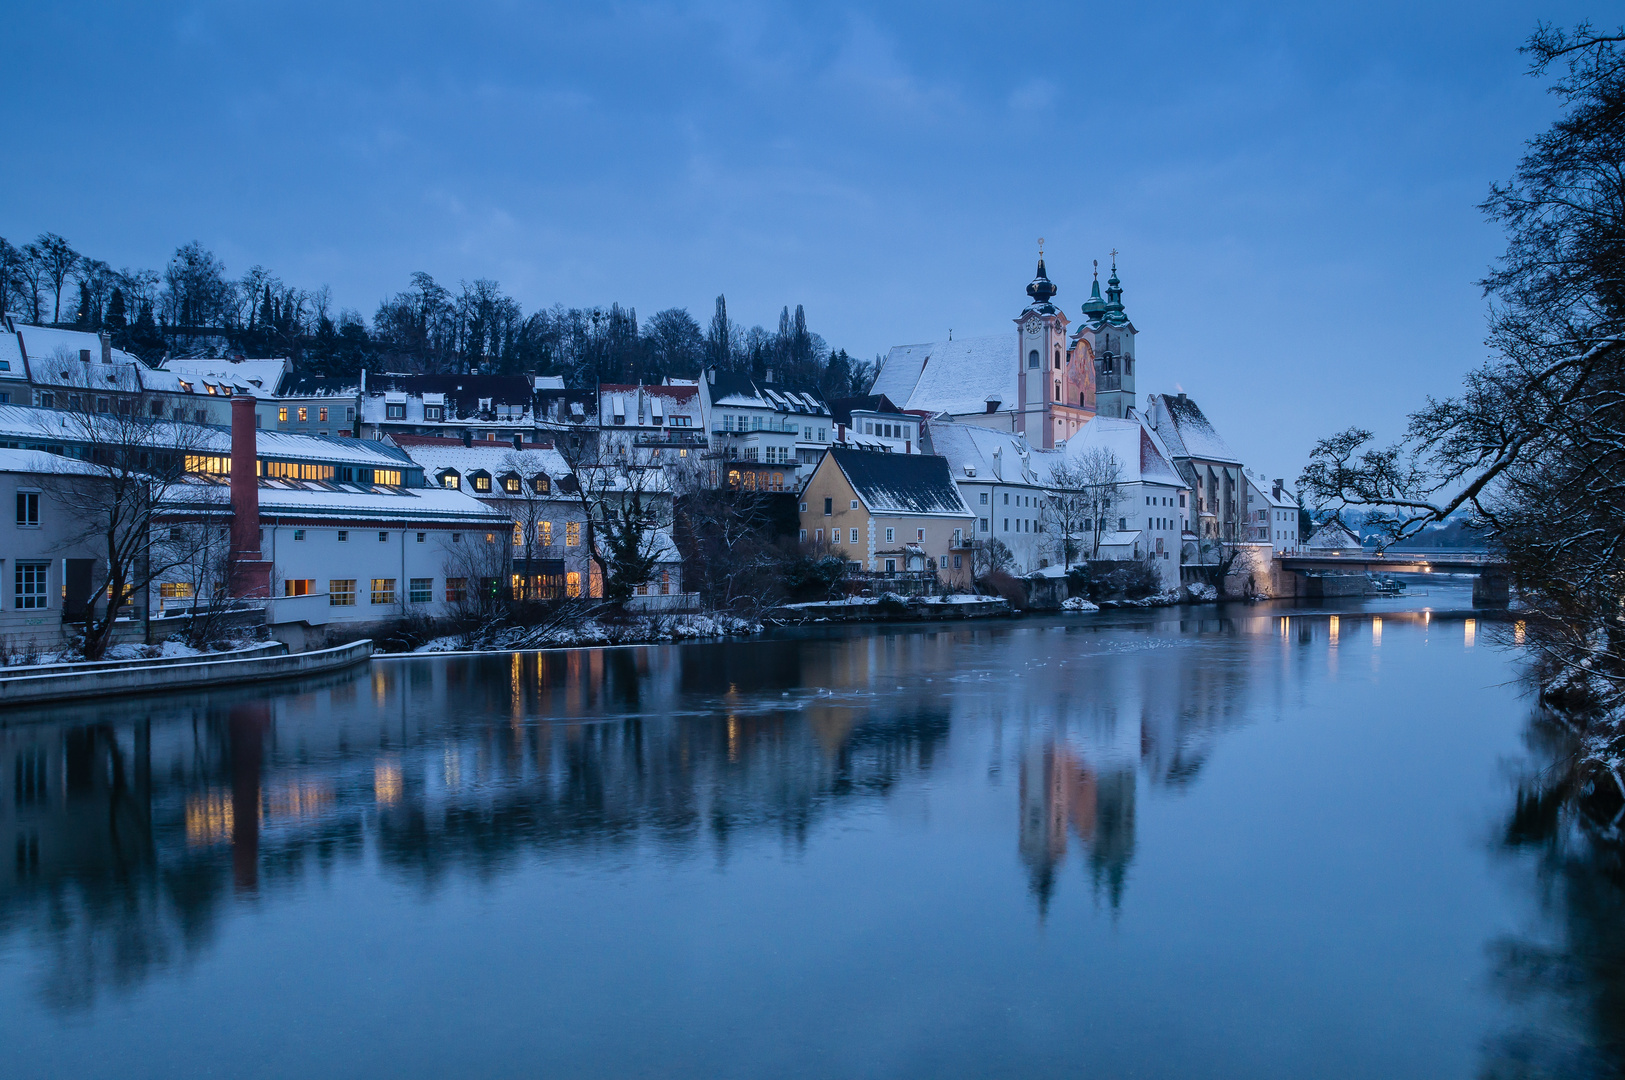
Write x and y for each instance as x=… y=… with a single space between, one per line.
x=990 y=556
x=1095 y=482
x=627 y=502
x=1067 y=505
x=55 y=260
x=727 y=540
x=133 y=470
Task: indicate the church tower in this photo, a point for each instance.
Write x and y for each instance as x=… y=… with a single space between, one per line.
x=1056 y=394
x=1110 y=334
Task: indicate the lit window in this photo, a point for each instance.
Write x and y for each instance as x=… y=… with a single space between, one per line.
x=298 y=587
x=341 y=592
x=282 y=415
x=518 y=535
x=321 y=415
x=544 y=533
x=572 y=534
x=456 y=589
x=383 y=590
x=304 y=415
x=572 y=583
x=450 y=479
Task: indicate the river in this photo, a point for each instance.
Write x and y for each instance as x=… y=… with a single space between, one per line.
x=1250 y=841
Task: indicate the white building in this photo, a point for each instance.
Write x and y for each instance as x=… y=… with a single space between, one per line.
x=1271 y=513
x=1004 y=482
x=763 y=434
x=1209 y=467
x=1150 y=516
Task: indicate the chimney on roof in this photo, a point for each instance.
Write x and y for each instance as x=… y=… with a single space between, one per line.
x=518 y=441
x=767 y=375
x=1279 y=484
x=107 y=347
x=1182 y=397
x=468 y=437
x=84 y=356
x=711 y=376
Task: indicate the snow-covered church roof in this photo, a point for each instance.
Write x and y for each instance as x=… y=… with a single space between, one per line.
x=1186 y=431
x=958 y=377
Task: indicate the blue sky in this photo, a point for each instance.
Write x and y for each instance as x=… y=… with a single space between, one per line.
x=1292 y=187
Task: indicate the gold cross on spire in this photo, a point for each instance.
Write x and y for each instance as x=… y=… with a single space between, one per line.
x=1040 y=247
x=1114 y=256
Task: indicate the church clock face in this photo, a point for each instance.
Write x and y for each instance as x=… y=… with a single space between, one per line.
x=1034 y=327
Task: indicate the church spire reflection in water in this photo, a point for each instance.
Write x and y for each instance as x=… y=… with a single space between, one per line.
x=1061 y=793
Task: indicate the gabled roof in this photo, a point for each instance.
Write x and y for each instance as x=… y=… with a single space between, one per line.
x=493 y=458
x=340 y=500
x=11 y=357
x=732 y=388
x=915 y=484
x=982 y=455
x=957 y=377
x=47 y=342
x=296 y=384
x=1135 y=447
x=1189 y=433
x=261 y=377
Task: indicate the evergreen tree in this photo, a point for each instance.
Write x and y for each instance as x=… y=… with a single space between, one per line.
x=115 y=310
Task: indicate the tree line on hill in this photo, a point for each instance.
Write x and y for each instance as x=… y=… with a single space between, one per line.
x=193 y=308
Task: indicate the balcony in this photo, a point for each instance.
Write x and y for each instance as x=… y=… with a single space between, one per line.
x=771 y=427
x=684 y=439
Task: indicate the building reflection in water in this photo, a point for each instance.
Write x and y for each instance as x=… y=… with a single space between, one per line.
x=129 y=838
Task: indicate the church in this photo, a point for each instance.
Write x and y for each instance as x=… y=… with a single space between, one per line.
x=1044 y=382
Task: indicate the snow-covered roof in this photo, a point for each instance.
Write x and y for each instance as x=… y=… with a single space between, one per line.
x=49 y=343
x=915 y=484
x=982 y=455
x=1188 y=432
x=262 y=377
x=1333 y=536
x=11 y=357
x=40 y=462
x=495 y=458
x=1134 y=446
x=735 y=390
x=958 y=377
x=317 y=498
x=1266 y=492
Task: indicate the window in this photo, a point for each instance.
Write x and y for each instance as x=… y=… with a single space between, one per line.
x=1057 y=363
x=819 y=537
x=803 y=508
x=835 y=536
x=157 y=409
x=984 y=498
x=29 y=583
x=820 y=434
x=341 y=592
x=298 y=587
x=456 y=590
x=540 y=484
x=1033 y=359
x=282 y=415
x=304 y=415
x=891 y=536
x=390 y=477
x=803 y=536
x=984 y=525
x=432 y=412
x=422 y=590
x=383 y=538
x=200 y=416
x=854 y=505
x=457 y=538
x=572 y=583
x=349 y=414
x=299 y=534
x=829 y=507
x=344 y=536
x=854 y=536
x=450 y=479
x=959 y=538
x=544 y=533
x=383 y=590
x=572 y=534
x=175 y=590
x=482 y=481
x=919 y=534
x=891 y=564
x=1006 y=524
x=45 y=400
x=518 y=535
x=28 y=509
x=395 y=412
x=511 y=484
x=1007 y=498
x=321 y=414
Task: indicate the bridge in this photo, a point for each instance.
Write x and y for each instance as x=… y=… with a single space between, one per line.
x=1491 y=583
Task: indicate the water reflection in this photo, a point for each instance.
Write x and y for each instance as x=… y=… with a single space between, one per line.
x=138 y=830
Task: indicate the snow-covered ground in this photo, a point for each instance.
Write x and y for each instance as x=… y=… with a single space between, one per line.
x=645 y=630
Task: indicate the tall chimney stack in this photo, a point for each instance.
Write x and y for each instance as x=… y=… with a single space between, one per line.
x=251 y=577
x=107 y=347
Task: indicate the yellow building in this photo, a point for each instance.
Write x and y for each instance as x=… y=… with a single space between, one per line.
x=896 y=514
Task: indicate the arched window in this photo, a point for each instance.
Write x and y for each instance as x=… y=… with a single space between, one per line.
x=1080 y=399
x=1128 y=365
x=1057 y=359
x=1033 y=360
x=1057 y=391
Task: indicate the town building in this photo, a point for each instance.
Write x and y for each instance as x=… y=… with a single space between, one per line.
x=1272 y=513
x=486 y=408
x=530 y=484
x=897 y=517
x=764 y=436
x=1153 y=505
x=1038 y=383
x=1004 y=482
x=1334 y=538
x=873 y=422
x=661 y=423
x=47 y=560
x=1209 y=467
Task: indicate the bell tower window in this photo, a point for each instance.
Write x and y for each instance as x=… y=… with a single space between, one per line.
x=1057 y=391
x=1057 y=359
x=1032 y=359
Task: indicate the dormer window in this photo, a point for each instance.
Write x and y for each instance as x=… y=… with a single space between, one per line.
x=450 y=478
x=394 y=412
x=512 y=484
x=186 y=387
x=434 y=412
x=541 y=484
x=481 y=480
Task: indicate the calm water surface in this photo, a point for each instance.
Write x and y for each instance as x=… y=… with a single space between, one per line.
x=1250 y=843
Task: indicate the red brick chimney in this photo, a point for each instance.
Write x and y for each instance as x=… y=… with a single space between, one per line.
x=250 y=576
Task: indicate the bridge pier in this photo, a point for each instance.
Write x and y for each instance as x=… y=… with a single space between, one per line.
x=1492 y=588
